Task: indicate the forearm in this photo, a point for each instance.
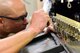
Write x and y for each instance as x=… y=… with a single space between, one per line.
x=16 y=42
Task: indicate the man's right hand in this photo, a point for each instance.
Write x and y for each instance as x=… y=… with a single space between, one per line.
x=39 y=20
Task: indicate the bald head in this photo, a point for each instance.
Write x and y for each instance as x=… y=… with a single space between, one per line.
x=8 y=7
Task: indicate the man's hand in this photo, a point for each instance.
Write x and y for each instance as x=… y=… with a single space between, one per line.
x=39 y=20
x=50 y=27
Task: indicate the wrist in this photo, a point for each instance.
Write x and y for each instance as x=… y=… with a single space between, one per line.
x=36 y=30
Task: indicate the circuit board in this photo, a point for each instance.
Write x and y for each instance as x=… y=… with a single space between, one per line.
x=67 y=26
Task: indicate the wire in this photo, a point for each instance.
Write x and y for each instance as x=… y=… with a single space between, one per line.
x=69 y=4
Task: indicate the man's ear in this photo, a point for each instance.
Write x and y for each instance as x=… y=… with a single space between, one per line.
x=1 y=20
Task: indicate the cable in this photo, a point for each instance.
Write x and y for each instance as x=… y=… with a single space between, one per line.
x=69 y=4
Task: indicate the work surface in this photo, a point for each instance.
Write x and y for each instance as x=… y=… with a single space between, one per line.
x=45 y=43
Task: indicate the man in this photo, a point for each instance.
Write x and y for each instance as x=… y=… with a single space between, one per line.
x=12 y=20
